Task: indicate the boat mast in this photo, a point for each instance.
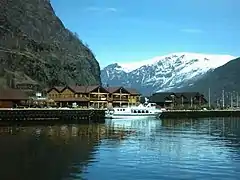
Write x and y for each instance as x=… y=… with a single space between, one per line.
x=209 y=98
x=191 y=102
x=223 y=103
x=237 y=99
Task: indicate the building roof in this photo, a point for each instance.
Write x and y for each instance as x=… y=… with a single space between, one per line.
x=57 y=88
x=29 y=81
x=13 y=94
x=88 y=89
x=129 y=90
x=83 y=89
x=187 y=94
x=133 y=91
x=78 y=89
x=112 y=89
x=160 y=97
x=91 y=88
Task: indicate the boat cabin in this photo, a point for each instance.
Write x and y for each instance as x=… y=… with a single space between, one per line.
x=139 y=111
x=128 y=110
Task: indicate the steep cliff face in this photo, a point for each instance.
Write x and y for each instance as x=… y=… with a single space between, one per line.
x=36 y=47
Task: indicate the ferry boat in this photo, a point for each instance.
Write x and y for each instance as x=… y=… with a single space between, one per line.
x=141 y=111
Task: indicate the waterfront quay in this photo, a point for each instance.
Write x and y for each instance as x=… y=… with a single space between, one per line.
x=200 y=113
x=54 y=115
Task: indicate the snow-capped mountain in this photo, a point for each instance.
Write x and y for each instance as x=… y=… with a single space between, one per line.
x=162 y=73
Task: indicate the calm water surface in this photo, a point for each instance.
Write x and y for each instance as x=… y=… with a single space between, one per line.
x=123 y=150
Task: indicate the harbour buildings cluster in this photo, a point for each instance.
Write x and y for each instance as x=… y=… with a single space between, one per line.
x=72 y=96
x=92 y=101
x=93 y=96
x=31 y=95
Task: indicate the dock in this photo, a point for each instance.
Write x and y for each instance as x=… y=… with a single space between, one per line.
x=54 y=115
x=199 y=113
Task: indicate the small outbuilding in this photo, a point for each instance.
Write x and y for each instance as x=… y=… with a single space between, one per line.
x=10 y=98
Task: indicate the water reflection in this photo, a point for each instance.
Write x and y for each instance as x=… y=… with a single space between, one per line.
x=171 y=149
x=123 y=149
x=51 y=152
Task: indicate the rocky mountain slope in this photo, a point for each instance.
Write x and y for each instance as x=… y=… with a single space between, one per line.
x=162 y=73
x=225 y=78
x=35 y=47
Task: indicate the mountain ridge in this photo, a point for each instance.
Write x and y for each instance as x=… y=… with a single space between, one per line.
x=163 y=73
x=128 y=67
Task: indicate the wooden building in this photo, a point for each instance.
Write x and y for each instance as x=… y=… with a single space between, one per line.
x=93 y=96
x=120 y=96
x=180 y=100
x=10 y=98
x=83 y=96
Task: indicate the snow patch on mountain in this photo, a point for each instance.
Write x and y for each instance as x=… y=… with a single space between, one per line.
x=128 y=67
x=205 y=60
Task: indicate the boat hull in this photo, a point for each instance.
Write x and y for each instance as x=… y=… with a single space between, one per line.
x=132 y=116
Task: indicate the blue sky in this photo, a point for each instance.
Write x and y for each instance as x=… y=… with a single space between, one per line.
x=134 y=30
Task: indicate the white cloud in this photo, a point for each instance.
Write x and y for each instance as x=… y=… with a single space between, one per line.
x=111 y=9
x=192 y=30
x=104 y=9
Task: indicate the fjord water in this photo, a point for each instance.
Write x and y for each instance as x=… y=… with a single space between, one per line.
x=146 y=149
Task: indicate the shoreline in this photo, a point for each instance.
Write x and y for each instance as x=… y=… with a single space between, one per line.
x=41 y=115
x=200 y=113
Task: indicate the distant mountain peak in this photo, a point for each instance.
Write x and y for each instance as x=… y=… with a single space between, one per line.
x=185 y=56
x=162 y=73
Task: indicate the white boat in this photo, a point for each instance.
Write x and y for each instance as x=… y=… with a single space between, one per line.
x=141 y=111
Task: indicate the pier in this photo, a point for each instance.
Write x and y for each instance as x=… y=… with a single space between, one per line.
x=34 y=115
x=200 y=113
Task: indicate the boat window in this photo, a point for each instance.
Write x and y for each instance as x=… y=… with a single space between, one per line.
x=117 y=109
x=135 y=111
x=139 y=111
x=143 y=111
x=123 y=109
x=147 y=111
